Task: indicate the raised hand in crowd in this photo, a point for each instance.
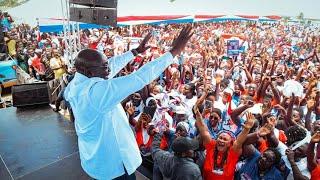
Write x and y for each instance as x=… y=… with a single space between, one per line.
x=180 y=42
x=143 y=44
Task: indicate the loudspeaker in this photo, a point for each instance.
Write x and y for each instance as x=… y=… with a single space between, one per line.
x=94 y=16
x=96 y=3
x=30 y=94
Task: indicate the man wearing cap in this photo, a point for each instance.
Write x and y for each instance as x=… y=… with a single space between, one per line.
x=180 y=165
x=107 y=146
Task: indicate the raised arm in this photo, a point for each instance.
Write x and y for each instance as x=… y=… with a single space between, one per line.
x=137 y=80
x=295 y=169
x=264 y=87
x=273 y=66
x=236 y=112
x=203 y=96
x=310 y=108
x=288 y=118
x=299 y=74
x=237 y=145
x=204 y=133
x=311 y=87
x=259 y=90
x=248 y=74
x=118 y=62
x=275 y=92
x=252 y=138
x=217 y=89
x=316 y=55
x=310 y=151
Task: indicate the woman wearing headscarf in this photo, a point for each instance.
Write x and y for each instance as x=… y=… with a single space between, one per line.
x=223 y=153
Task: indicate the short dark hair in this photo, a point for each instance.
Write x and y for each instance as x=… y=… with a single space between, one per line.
x=86 y=59
x=192 y=88
x=225 y=81
x=300 y=111
x=265 y=117
x=294 y=134
x=210 y=93
x=216 y=110
x=277 y=155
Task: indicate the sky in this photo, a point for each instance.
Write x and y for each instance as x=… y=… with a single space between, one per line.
x=310 y=8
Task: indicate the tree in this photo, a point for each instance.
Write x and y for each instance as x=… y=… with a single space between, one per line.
x=285 y=19
x=12 y=3
x=300 y=17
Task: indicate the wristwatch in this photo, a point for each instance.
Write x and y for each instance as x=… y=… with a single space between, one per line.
x=134 y=52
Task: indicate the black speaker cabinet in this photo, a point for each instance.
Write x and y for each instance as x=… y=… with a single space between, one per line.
x=96 y=3
x=94 y=15
x=30 y=94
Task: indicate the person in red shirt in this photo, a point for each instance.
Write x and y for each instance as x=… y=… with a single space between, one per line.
x=95 y=39
x=143 y=137
x=223 y=153
x=313 y=166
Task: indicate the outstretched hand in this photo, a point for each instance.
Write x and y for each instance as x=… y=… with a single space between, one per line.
x=290 y=154
x=250 y=121
x=265 y=130
x=143 y=44
x=180 y=42
x=130 y=109
x=316 y=137
x=196 y=110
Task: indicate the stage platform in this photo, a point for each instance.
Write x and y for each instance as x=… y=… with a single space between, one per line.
x=37 y=143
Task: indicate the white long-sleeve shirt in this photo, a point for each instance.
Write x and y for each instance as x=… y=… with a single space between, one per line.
x=106 y=141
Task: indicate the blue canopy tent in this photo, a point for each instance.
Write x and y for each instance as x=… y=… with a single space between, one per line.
x=59 y=28
x=56 y=25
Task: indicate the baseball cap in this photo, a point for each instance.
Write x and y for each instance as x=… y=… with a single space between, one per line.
x=183 y=144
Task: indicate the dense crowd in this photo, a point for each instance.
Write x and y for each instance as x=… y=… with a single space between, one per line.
x=255 y=115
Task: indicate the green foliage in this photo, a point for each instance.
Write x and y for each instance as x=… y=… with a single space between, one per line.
x=286 y=19
x=301 y=18
x=11 y=3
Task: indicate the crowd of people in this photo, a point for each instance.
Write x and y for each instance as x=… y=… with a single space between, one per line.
x=255 y=115
x=250 y=120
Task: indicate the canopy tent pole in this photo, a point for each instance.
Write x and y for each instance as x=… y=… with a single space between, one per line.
x=130 y=30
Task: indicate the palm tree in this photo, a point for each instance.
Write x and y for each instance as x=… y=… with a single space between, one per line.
x=11 y=3
x=286 y=19
x=300 y=17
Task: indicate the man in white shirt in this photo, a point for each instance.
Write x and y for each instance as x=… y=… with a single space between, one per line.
x=107 y=146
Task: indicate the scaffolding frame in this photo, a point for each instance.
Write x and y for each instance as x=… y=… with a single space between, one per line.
x=71 y=34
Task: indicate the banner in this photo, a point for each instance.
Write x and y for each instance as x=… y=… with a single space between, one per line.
x=233 y=48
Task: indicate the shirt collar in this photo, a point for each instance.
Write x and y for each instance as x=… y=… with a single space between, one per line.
x=184 y=159
x=79 y=78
